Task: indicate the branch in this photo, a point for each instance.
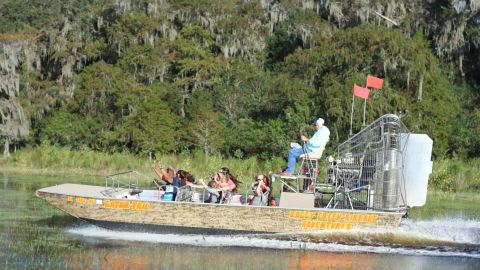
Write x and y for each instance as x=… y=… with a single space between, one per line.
x=388 y=19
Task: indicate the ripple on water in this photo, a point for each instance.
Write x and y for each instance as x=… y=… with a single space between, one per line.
x=440 y=237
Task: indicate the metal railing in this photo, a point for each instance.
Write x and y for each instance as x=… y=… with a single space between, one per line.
x=367 y=173
x=124 y=180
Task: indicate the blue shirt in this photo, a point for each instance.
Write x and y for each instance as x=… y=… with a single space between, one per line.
x=319 y=139
x=178 y=182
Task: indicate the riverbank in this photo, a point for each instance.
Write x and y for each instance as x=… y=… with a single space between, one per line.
x=451 y=205
x=449 y=175
x=56 y=161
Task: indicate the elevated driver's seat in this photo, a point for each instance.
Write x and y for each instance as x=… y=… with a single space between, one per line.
x=309 y=166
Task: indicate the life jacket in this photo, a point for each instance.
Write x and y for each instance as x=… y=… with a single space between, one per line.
x=170 y=193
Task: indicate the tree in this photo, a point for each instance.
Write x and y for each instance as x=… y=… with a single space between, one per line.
x=205 y=130
x=152 y=128
x=100 y=86
x=132 y=29
x=14 y=126
x=16 y=15
x=147 y=63
x=68 y=130
x=267 y=68
x=333 y=70
x=279 y=45
x=195 y=66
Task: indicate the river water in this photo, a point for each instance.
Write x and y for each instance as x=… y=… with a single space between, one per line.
x=34 y=235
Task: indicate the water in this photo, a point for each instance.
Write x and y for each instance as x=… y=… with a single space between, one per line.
x=448 y=239
x=34 y=235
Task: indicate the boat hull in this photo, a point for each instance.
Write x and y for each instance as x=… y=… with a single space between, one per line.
x=88 y=203
x=164 y=229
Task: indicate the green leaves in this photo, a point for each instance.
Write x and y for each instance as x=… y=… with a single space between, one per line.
x=99 y=87
x=16 y=15
x=153 y=127
x=279 y=45
x=67 y=129
x=147 y=63
x=132 y=29
x=239 y=77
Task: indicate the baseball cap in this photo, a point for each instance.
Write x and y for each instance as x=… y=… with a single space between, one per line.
x=318 y=121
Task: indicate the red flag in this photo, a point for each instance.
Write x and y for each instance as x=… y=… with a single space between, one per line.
x=374 y=82
x=360 y=91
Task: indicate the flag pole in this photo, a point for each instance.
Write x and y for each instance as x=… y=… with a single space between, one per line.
x=351 y=115
x=364 y=109
x=365 y=105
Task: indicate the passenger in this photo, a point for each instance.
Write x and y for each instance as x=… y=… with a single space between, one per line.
x=230 y=179
x=214 y=192
x=166 y=175
x=184 y=178
x=220 y=186
x=224 y=183
x=261 y=191
x=173 y=179
x=217 y=178
x=178 y=179
x=261 y=186
x=319 y=140
x=189 y=177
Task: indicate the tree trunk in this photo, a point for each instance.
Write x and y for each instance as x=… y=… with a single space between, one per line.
x=182 y=105
x=183 y=101
x=6 y=149
x=408 y=80
x=420 y=88
x=460 y=65
x=206 y=145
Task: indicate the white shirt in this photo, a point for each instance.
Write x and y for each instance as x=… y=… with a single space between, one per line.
x=319 y=139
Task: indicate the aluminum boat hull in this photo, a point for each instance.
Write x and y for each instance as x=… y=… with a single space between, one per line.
x=89 y=203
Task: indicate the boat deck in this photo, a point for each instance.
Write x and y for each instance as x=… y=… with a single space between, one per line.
x=99 y=192
x=76 y=190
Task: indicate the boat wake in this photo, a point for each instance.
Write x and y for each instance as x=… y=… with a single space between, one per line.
x=444 y=237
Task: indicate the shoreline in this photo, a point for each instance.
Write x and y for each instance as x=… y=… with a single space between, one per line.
x=448 y=175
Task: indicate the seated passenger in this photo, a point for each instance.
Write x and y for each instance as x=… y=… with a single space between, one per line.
x=214 y=194
x=261 y=186
x=184 y=178
x=212 y=187
x=164 y=174
x=261 y=191
x=226 y=180
x=222 y=184
x=177 y=179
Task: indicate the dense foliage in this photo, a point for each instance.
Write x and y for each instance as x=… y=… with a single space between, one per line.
x=240 y=78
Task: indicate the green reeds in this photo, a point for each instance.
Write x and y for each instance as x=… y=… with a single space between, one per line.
x=51 y=160
x=448 y=205
x=455 y=175
x=46 y=159
x=31 y=232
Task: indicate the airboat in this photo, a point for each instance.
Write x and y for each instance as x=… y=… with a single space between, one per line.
x=371 y=181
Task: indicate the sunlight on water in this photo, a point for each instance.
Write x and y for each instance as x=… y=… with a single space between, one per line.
x=428 y=238
x=454 y=230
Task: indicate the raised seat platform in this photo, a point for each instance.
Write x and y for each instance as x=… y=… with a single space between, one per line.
x=291 y=182
x=313 y=155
